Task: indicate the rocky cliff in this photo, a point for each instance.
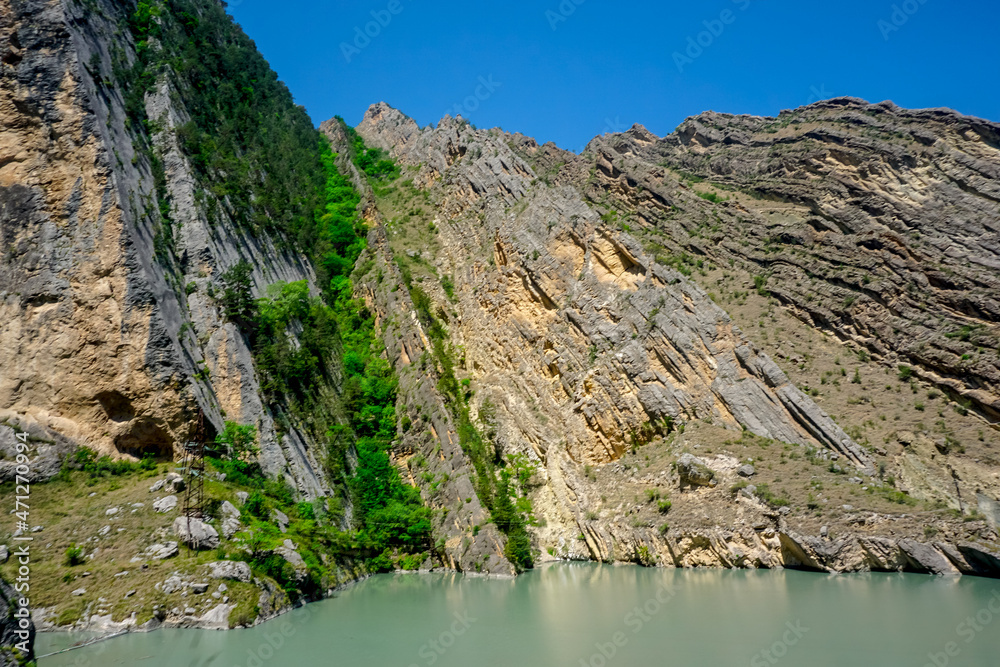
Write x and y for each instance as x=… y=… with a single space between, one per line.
x=579 y=298
x=876 y=223
x=111 y=336
x=756 y=342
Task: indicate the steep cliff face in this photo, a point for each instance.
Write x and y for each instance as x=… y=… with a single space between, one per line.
x=590 y=348
x=111 y=335
x=555 y=283
x=876 y=223
x=725 y=347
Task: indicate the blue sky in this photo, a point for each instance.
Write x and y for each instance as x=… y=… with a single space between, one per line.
x=567 y=70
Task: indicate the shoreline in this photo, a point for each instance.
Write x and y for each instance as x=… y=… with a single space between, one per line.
x=191 y=623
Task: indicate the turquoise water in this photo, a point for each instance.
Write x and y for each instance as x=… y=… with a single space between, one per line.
x=576 y=615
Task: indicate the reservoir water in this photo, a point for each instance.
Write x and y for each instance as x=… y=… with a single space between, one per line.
x=573 y=615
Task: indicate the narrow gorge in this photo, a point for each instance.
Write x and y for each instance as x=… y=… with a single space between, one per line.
x=757 y=342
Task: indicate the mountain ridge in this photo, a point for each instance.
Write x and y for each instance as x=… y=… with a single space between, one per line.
x=754 y=342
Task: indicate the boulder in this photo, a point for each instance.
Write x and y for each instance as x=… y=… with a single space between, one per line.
x=157 y=485
x=984 y=559
x=165 y=504
x=746 y=471
x=925 y=558
x=241 y=497
x=694 y=472
x=196 y=533
x=290 y=553
x=172 y=584
x=230 y=520
x=230 y=569
x=162 y=551
x=175 y=481
x=281 y=519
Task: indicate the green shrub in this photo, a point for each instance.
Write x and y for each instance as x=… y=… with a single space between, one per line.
x=764 y=493
x=74 y=555
x=712 y=197
x=306 y=511
x=256 y=505
x=237 y=300
x=759 y=283
x=239 y=440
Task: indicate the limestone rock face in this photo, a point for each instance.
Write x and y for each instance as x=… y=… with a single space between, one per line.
x=926 y=558
x=582 y=344
x=101 y=343
x=887 y=236
x=580 y=321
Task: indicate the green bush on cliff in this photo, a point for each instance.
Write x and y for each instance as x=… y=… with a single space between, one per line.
x=374 y=162
x=237 y=301
x=388 y=512
x=239 y=440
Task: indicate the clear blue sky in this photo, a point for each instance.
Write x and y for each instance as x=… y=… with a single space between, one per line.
x=569 y=71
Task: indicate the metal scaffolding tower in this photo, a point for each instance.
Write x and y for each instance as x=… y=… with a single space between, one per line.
x=193 y=506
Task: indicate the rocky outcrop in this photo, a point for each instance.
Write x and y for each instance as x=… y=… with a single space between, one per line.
x=583 y=344
x=196 y=533
x=873 y=222
x=230 y=569
x=580 y=341
x=472 y=543
x=103 y=342
x=694 y=472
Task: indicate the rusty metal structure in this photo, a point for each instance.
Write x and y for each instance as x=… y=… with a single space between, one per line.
x=193 y=470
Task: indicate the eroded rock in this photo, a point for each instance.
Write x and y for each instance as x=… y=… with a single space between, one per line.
x=196 y=533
